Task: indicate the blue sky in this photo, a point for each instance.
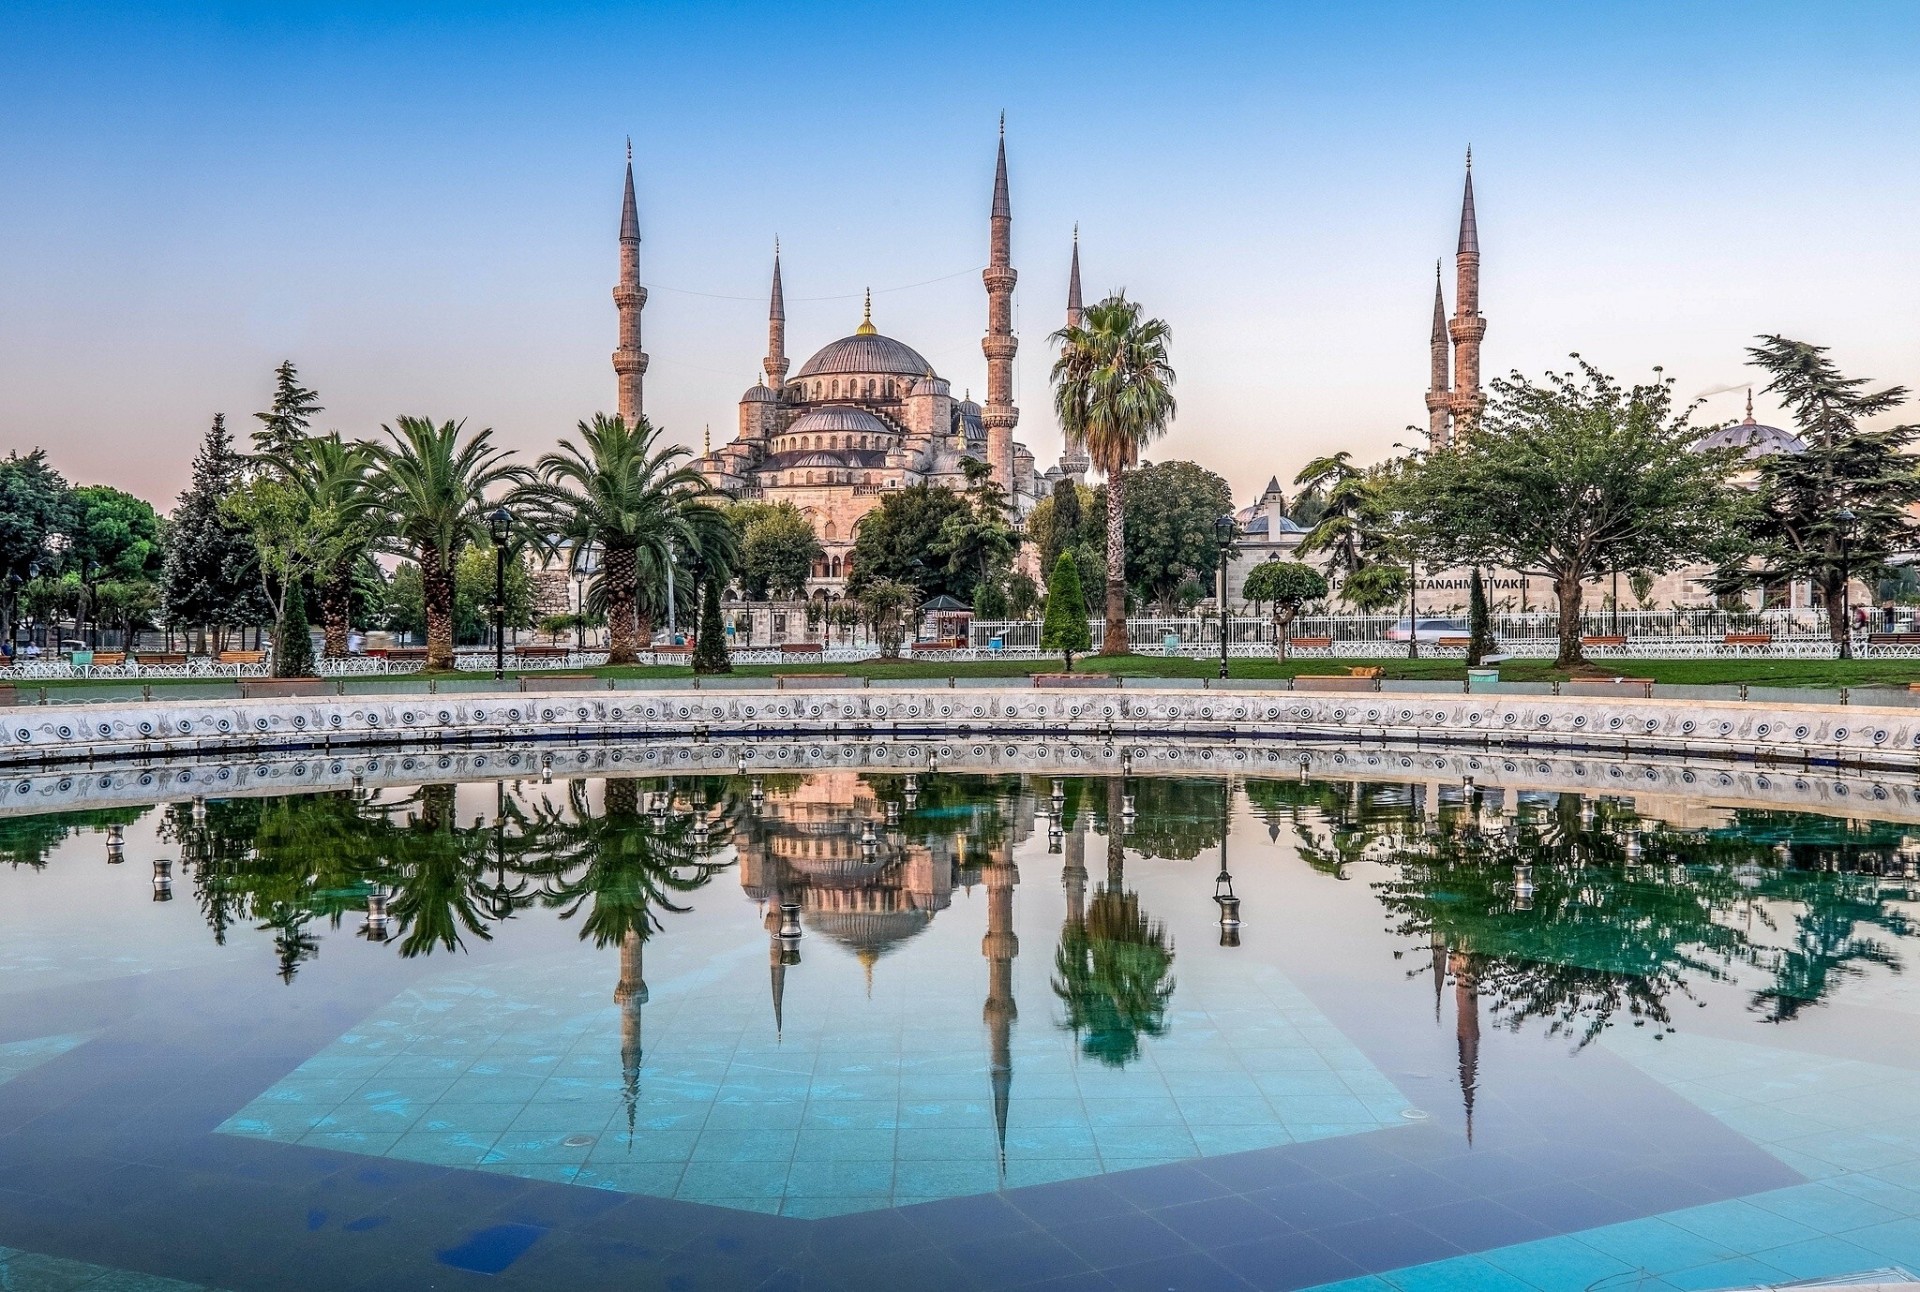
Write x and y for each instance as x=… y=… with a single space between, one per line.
x=418 y=203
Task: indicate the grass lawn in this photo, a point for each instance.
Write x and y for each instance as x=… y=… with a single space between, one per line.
x=1754 y=672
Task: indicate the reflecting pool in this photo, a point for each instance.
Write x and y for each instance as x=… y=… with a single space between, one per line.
x=839 y=1026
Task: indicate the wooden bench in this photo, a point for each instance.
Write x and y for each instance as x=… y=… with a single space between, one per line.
x=1452 y=643
x=159 y=659
x=245 y=657
x=109 y=658
x=788 y=650
x=944 y=643
x=1749 y=639
x=402 y=653
x=673 y=652
x=542 y=652
x=1603 y=641
x=1309 y=643
x=1893 y=639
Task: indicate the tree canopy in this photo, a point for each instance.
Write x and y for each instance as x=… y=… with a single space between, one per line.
x=1173 y=548
x=778 y=549
x=212 y=570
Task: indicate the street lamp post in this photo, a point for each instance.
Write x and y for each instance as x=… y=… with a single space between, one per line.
x=1223 y=527
x=673 y=638
x=501 y=523
x=13 y=616
x=1846 y=518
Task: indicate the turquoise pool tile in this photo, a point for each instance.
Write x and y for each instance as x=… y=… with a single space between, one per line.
x=1059 y=1112
x=1217 y=1141
x=474 y=1119
x=1466 y=1274
x=810 y=1208
x=712 y=1181
x=850 y=1114
x=943 y=1179
x=1740 y=1226
x=1169 y=1143
x=744 y=1145
x=1109 y=1113
x=1024 y=1172
x=1562 y=1264
x=952 y=1114
x=658 y=1178
x=781 y=1114
x=925 y=1145
x=479 y=1088
x=574 y=1118
x=840 y=1179
x=1897 y=1240
x=1057 y=1142
x=1737 y=1272
x=817 y=1144
x=643 y=1146
x=540 y=1147
x=1654 y=1245
x=1821 y=1258
x=1823 y=1208
x=446 y=1148
x=1319 y=1110
x=374 y=1144
x=373 y=1118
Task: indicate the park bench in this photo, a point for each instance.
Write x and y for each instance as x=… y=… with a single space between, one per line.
x=1603 y=640
x=1456 y=643
x=1749 y=639
x=1893 y=639
x=159 y=659
x=244 y=657
x=402 y=654
x=943 y=643
x=542 y=652
x=672 y=652
x=109 y=658
x=1309 y=643
x=795 y=650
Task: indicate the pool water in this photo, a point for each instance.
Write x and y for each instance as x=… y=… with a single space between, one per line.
x=834 y=1028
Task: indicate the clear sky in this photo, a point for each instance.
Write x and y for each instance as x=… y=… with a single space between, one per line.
x=418 y=203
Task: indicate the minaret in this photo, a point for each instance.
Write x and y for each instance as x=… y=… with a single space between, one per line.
x=1073 y=283
x=630 y=995
x=629 y=361
x=1439 y=398
x=1467 y=326
x=999 y=416
x=1466 y=1031
x=1000 y=946
x=776 y=361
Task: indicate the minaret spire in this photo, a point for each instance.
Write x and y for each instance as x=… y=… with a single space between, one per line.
x=1000 y=416
x=1467 y=327
x=1749 y=421
x=629 y=297
x=1439 y=400
x=776 y=361
x=1073 y=283
x=866 y=327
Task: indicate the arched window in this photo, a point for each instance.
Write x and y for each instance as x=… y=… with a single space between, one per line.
x=889 y=387
x=809 y=477
x=836 y=385
x=835 y=563
x=831 y=534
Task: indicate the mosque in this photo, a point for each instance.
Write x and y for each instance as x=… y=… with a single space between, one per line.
x=866 y=414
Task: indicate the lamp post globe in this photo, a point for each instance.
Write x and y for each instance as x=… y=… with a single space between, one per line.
x=1223 y=532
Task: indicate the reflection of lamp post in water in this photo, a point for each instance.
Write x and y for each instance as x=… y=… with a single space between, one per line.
x=1223 y=893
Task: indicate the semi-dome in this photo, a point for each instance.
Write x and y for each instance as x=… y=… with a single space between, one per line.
x=838 y=417
x=869 y=353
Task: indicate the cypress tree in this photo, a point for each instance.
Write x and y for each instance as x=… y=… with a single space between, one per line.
x=292 y=641
x=710 y=651
x=1065 y=627
x=212 y=570
x=1479 y=622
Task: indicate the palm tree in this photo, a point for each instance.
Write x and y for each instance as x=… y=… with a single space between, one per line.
x=635 y=499
x=331 y=476
x=1112 y=389
x=431 y=483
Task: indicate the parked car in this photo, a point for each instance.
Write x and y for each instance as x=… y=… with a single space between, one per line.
x=1431 y=630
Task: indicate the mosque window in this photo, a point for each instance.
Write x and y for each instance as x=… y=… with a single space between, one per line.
x=889 y=387
x=870 y=387
x=809 y=477
x=836 y=385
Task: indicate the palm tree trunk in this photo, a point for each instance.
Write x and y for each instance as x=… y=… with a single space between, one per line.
x=621 y=573
x=436 y=590
x=1115 y=641
x=336 y=612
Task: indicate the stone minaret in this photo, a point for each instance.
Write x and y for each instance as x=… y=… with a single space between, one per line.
x=999 y=416
x=1073 y=283
x=776 y=361
x=1000 y=946
x=629 y=361
x=1467 y=326
x=1439 y=397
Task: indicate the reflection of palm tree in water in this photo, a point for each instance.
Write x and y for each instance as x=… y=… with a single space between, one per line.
x=625 y=868
x=1113 y=969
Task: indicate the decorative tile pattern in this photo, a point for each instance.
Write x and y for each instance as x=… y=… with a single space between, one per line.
x=517 y=1069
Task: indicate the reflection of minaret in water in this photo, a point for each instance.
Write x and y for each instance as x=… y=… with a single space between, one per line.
x=630 y=995
x=1466 y=1031
x=1000 y=946
x=1439 y=950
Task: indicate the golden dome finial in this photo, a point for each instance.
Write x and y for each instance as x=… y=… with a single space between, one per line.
x=866 y=327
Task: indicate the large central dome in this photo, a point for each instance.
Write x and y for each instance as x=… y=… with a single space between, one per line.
x=865 y=353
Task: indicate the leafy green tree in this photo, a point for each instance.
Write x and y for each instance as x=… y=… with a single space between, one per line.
x=886 y=604
x=894 y=542
x=404 y=609
x=1351 y=528
x=1796 y=525
x=1288 y=585
x=1113 y=393
x=1569 y=478
x=1023 y=595
x=211 y=575
x=35 y=503
x=778 y=549
x=979 y=541
x=430 y=485
x=1171 y=508
x=116 y=534
x=1065 y=627
x=287 y=422
x=710 y=647
x=1479 y=621
x=625 y=491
